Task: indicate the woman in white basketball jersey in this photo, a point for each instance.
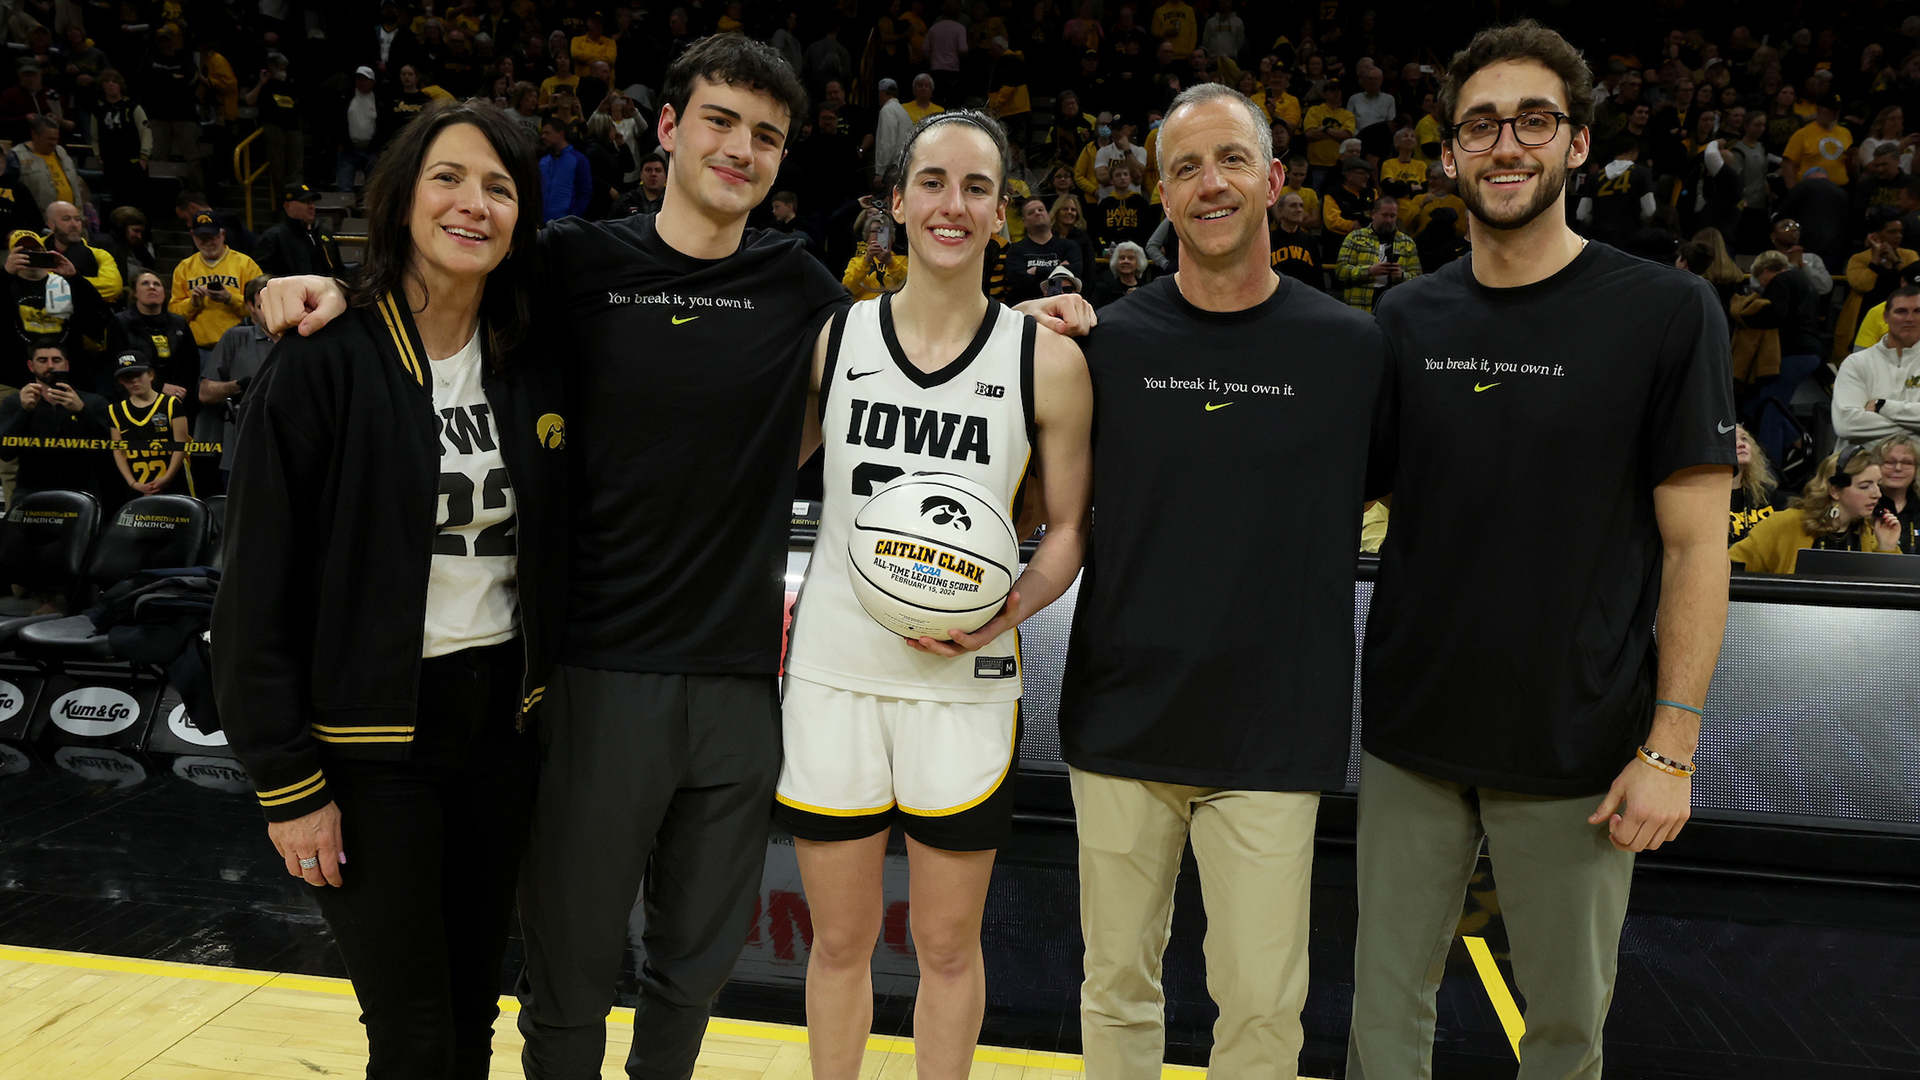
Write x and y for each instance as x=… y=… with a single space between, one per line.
x=880 y=729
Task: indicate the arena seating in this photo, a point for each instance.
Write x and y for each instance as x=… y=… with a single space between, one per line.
x=61 y=663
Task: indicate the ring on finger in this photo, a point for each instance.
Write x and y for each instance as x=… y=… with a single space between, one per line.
x=308 y=864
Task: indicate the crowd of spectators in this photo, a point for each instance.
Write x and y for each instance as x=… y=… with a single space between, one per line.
x=1770 y=157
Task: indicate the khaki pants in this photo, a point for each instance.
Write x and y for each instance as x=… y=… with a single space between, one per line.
x=1563 y=895
x=1255 y=850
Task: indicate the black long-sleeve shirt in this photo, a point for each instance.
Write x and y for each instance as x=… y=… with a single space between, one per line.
x=44 y=469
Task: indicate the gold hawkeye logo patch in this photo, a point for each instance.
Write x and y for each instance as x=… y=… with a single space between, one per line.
x=552 y=430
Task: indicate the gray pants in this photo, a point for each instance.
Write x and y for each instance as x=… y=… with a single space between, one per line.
x=1563 y=895
x=663 y=778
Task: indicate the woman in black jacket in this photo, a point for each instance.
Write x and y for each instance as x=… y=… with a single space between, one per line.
x=393 y=585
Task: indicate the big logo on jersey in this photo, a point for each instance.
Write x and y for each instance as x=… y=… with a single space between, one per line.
x=881 y=424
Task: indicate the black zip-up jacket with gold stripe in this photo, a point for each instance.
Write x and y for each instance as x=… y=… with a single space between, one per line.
x=331 y=516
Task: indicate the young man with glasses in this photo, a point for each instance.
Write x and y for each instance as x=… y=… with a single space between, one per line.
x=1544 y=719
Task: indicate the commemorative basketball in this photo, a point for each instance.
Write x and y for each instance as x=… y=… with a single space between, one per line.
x=932 y=552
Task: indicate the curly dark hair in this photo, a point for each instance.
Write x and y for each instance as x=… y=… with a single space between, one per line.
x=737 y=61
x=1523 y=40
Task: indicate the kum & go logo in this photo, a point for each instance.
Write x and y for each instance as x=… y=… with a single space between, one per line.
x=94 y=712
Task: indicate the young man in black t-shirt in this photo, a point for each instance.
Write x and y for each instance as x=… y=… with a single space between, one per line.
x=1214 y=712
x=661 y=726
x=1514 y=692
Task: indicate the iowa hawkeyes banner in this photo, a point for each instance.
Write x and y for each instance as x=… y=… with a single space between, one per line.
x=34 y=442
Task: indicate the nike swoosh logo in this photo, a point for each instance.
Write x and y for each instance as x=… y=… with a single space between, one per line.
x=1478 y=388
x=1212 y=407
x=1724 y=428
x=677 y=321
x=852 y=375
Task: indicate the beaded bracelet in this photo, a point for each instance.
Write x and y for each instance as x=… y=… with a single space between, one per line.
x=1666 y=764
x=1684 y=708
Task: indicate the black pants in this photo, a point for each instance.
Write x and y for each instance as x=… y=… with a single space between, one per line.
x=433 y=849
x=663 y=778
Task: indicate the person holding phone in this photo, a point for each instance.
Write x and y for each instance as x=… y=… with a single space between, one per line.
x=1840 y=510
x=50 y=406
x=52 y=303
x=207 y=286
x=1374 y=259
x=875 y=269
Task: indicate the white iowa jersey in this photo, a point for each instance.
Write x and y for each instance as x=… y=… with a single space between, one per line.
x=883 y=418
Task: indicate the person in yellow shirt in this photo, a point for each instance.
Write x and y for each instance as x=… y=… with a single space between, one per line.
x=464 y=17
x=1821 y=144
x=562 y=78
x=875 y=269
x=1837 y=512
x=1419 y=210
x=222 y=86
x=595 y=45
x=1430 y=130
x=915 y=21
x=1085 y=173
x=1871 y=275
x=1296 y=184
x=1174 y=21
x=1276 y=102
x=208 y=287
x=1008 y=99
x=922 y=105
x=1404 y=174
x=1325 y=127
x=67 y=234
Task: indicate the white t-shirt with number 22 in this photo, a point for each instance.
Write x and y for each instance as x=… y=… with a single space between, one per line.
x=470 y=595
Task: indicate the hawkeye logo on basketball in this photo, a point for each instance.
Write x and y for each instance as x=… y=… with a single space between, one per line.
x=929 y=560
x=879 y=424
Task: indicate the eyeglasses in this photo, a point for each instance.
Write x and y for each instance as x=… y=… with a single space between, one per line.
x=1529 y=129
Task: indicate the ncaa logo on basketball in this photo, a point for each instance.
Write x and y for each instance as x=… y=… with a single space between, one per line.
x=95 y=712
x=552 y=429
x=921 y=567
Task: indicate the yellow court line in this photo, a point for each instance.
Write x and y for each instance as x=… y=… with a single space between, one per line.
x=1496 y=984
x=738 y=1028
